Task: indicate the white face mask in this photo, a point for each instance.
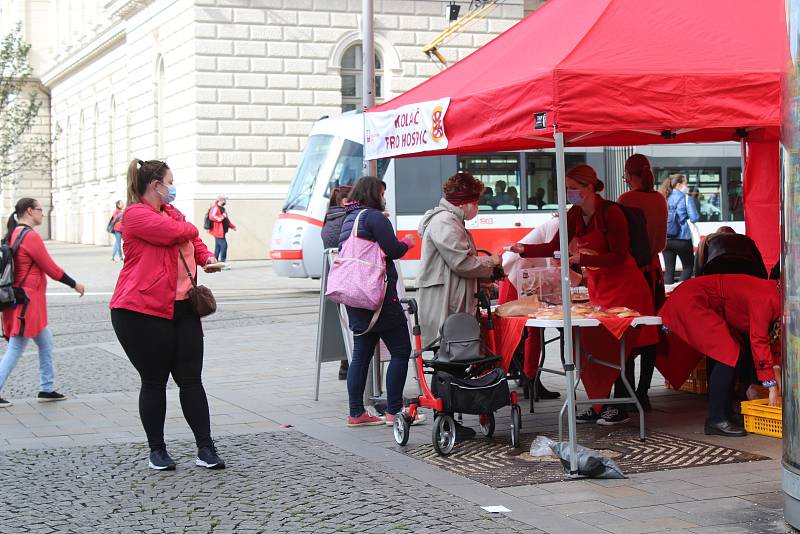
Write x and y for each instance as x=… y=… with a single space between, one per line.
x=470 y=211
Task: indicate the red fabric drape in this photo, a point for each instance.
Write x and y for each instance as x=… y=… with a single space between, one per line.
x=762 y=192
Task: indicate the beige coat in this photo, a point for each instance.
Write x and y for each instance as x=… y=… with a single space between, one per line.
x=449 y=270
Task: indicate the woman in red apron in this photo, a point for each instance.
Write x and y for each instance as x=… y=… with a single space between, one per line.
x=598 y=235
x=708 y=313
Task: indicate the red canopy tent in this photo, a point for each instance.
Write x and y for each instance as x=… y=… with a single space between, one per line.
x=611 y=73
x=621 y=73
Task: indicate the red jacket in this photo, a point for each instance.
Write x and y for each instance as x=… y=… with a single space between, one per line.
x=148 y=280
x=34 y=265
x=216 y=216
x=702 y=312
x=118 y=224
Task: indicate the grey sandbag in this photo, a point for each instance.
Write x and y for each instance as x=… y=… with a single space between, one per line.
x=591 y=463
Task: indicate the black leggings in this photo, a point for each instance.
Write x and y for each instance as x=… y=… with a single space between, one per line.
x=157 y=347
x=683 y=249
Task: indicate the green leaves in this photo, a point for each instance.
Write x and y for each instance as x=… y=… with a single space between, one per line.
x=24 y=137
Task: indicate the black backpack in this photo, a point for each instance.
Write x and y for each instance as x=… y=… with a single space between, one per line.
x=639 y=245
x=7 y=255
x=207 y=224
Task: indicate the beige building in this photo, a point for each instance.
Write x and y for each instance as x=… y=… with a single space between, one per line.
x=225 y=90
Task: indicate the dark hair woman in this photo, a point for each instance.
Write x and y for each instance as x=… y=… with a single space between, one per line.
x=640 y=179
x=151 y=314
x=599 y=231
x=32 y=266
x=331 y=230
x=680 y=210
x=366 y=206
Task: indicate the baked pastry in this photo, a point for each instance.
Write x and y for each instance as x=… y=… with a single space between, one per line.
x=629 y=313
x=618 y=309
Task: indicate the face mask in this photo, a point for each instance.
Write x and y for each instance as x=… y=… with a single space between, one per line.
x=169 y=196
x=574 y=197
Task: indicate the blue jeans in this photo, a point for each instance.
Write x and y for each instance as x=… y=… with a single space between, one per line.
x=220 y=248
x=17 y=344
x=117 y=250
x=399 y=345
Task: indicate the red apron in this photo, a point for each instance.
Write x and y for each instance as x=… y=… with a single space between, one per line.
x=621 y=285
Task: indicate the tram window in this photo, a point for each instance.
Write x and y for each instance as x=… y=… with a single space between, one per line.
x=304 y=180
x=705 y=189
x=735 y=198
x=500 y=176
x=541 y=178
x=349 y=165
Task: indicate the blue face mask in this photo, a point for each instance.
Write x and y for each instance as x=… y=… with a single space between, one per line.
x=169 y=196
x=574 y=197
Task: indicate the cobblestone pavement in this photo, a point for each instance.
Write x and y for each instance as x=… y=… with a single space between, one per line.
x=289 y=483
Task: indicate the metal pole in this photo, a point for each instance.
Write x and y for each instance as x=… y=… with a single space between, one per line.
x=566 y=300
x=368 y=70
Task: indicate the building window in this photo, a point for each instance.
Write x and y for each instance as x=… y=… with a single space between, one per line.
x=112 y=111
x=351 y=78
x=95 y=153
x=79 y=156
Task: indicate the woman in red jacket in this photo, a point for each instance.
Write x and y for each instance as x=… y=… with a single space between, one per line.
x=220 y=224
x=151 y=314
x=598 y=231
x=705 y=313
x=26 y=320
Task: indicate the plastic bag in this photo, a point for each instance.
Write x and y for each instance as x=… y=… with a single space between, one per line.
x=518 y=308
x=542 y=446
x=591 y=463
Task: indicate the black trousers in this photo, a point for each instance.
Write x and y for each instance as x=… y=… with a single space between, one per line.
x=683 y=249
x=157 y=348
x=721 y=385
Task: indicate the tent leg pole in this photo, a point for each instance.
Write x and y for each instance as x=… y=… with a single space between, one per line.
x=566 y=299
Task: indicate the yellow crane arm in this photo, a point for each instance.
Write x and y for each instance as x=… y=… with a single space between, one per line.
x=432 y=48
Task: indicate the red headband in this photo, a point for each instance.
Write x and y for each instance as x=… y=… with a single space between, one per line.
x=459 y=199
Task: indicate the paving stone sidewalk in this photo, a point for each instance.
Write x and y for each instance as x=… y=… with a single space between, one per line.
x=276 y=482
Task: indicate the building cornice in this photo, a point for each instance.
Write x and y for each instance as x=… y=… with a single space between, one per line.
x=125 y=9
x=91 y=51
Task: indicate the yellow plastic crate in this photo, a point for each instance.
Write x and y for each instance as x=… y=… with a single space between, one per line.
x=759 y=418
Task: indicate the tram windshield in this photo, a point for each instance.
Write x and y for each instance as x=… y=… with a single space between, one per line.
x=303 y=184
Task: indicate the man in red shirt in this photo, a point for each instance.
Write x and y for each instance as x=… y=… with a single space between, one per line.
x=220 y=224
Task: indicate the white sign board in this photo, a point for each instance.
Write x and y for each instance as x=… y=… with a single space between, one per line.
x=406 y=130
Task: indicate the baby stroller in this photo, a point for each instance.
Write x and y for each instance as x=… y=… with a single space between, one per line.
x=463 y=380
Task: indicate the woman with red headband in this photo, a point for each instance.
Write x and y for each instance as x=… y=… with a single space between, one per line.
x=450 y=269
x=598 y=233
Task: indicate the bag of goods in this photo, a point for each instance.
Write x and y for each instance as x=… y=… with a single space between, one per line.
x=622 y=312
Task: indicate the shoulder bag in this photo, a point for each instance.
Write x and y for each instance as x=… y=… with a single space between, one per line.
x=692 y=226
x=201 y=298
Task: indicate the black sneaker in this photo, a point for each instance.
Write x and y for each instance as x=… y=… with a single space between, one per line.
x=161 y=461
x=207 y=457
x=50 y=396
x=613 y=416
x=4 y=403
x=589 y=416
x=463 y=433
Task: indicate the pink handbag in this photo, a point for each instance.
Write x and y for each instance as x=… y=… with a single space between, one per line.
x=358 y=275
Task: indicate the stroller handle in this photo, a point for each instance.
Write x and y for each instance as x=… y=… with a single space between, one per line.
x=413 y=308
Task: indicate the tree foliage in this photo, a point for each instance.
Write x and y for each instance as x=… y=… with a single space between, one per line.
x=20 y=148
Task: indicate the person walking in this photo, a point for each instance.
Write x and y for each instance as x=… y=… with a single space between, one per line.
x=365 y=214
x=640 y=179
x=116 y=226
x=151 y=313
x=331 y=230
x=28 y=319
x=681 y=210
x=220 y=224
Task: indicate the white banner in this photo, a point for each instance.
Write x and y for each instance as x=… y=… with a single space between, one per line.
x=406 y=130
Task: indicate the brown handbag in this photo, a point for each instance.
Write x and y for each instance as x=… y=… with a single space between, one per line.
x=201 y=298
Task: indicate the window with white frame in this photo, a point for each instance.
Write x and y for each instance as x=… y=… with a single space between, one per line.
x=352 y=76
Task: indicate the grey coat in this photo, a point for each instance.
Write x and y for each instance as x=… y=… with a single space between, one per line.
x=449 y=270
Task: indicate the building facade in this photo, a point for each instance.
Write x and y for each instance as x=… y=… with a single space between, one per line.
x=225 y=90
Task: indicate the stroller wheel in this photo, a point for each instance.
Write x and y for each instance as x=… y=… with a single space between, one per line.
x=444 y=434
x=516 y=424
x=401 y=428
x=487 y=424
